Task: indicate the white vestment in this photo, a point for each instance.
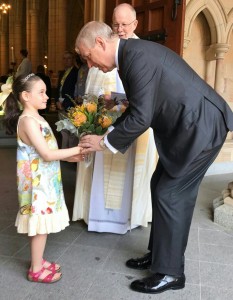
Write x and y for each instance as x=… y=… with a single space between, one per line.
x=113 y=193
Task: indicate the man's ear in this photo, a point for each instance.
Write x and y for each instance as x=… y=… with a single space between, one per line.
x=100 y=42
x=135 y=24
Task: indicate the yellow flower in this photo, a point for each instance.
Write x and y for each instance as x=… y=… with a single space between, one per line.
x=105 y=121
x=81 y=108
x=79 y=118
x=90 y=117
x=91 y=107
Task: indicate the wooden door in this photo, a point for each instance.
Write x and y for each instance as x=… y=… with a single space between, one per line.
x=161 y=21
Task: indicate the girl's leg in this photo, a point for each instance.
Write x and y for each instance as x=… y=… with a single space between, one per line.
x=38 y=243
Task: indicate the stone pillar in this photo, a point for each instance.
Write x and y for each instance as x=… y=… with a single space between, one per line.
x=18 y=35
x=209 y=72
x=33 y=35
x=17 y=29
x=220 y=50
x=94 y=10
x=56 y=34
x=34 y=47
x=4 y=44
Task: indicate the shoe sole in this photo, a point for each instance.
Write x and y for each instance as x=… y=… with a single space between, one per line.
x=41 y=280
x=161 y=291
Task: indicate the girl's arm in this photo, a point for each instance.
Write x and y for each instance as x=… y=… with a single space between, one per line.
x=30 y=133
x=75 y=158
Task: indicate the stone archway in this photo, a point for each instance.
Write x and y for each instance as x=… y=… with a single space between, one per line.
x=214 y=14
x=218 y=22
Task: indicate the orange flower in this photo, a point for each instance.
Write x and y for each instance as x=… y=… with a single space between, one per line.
x=79 y=119
x=105 y=121
x=91 y=107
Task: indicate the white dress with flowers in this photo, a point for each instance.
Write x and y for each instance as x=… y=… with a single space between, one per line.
x=42 y=207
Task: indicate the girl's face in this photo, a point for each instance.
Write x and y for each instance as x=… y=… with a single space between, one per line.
x=37 y=97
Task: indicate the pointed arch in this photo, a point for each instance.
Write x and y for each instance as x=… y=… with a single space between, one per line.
x=230 y=27
x=215 y=16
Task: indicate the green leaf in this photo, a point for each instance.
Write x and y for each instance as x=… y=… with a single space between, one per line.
x=92 y=128
x=98 y=130
x=86 y=125
x=90 y=118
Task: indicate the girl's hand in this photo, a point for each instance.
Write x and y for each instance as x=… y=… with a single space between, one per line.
x=76 y=158
x=90 y=143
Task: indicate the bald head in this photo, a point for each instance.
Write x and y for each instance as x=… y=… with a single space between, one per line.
x=124 y=20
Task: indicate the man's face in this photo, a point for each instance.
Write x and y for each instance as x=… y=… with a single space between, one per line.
x=68 y=60
x=124 y=23
x=98 y=56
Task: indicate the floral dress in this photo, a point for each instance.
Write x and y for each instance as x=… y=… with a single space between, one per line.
x=42 y=207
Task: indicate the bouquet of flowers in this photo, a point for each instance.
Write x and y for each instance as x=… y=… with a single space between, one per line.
x=91 y=117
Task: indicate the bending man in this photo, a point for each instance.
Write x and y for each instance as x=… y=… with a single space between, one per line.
x=190 y=123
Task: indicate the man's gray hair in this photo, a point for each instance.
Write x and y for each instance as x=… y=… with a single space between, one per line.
x=90 y=31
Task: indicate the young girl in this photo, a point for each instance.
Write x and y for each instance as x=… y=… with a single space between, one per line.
x=41 y=200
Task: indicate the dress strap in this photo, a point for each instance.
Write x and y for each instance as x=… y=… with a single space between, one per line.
x=27 y=115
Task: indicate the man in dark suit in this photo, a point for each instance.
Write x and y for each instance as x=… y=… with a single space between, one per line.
x=65 y=90
x=190 y=122
x=66 y=82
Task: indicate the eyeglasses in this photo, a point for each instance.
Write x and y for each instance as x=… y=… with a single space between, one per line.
x=116 y=26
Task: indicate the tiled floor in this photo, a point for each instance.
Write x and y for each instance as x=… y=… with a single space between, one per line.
x=93 y=264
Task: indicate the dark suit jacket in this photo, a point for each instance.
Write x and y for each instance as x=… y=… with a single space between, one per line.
x=164 y=93
x=68 y=87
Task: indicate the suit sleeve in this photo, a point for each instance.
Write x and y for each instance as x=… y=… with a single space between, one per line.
x=140 y=79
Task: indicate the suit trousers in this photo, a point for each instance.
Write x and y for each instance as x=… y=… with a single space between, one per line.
x=173 y=201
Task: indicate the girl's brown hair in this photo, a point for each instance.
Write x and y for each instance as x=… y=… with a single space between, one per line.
x=12 y=107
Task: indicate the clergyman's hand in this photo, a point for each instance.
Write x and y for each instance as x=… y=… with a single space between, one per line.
x=109 y=104
x=90 y=143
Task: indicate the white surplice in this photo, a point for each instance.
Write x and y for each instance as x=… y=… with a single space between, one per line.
x=135 y=206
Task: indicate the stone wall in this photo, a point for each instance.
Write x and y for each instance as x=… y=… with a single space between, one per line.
x=208 y=49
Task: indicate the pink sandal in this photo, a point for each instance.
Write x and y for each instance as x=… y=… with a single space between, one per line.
x=51 y=267
x=35 y=276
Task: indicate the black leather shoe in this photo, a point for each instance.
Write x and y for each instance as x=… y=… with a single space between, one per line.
x=158 y=283
x=141 y=263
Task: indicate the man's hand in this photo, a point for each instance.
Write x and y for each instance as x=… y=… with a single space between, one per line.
x=90 y=143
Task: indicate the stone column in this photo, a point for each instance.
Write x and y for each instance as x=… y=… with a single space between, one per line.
x=18 y=34
x=220 y=50
x=33 y=35
x=4 y=44
x=210 y=66
x=56 y=34
x=94 y=10
x=34 y=47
